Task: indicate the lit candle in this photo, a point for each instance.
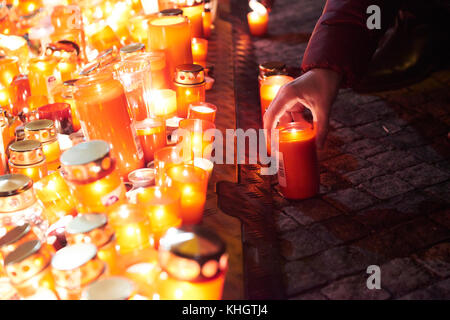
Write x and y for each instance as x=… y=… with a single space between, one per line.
x=269 y=89
x=258 y=18
x=9 y=69
x=34 y=102
x=207 y=23
x=152 y=135
x=192 y=183
x=138 y=27
x=194 y=263
x=204 y=164
x=54 y=194
x=101 y=37
x=158 y=65
x=60 y=113
x=199 y=50
x=195 y=14
x=203 y=111
x=5 y=98
x=167 y=157
x=41 y=74
x=190 y=85
x=27 y=7
x=144 y=275
x=67 y=70
x=162 y=205
x=298 y=173
x=27 y=157
x=163 y=103
x=196 y=135
x=172 y=35
x=65 y=93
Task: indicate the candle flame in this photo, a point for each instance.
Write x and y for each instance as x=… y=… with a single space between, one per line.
x=257 y=7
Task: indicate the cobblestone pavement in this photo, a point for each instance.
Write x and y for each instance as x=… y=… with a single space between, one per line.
x=385 y=180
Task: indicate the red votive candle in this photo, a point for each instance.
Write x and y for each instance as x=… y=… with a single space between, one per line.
x=152 y=135
x=258 y=18
x=298 y=173
x=203 y=111
x=269 y=90
x=61 y=115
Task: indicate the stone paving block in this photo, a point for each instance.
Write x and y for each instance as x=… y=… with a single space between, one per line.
x=402 y=275
x=351 y=115
x=339 y=230
x=429 y=127
x=379 y=107
x=331 y=181
x=427 y=154
x=350 y=199
x=422 y=175
x=300 y=276
x=386 y=187
x=344 y=135
x=283 y=223
x=315 y=295
x=329 y=150
x=394 y=160
x=309 y=211
x=437 y=291
x=365 y=148
x=405 y=139
x=335 y=124
x=377 y=129
x=353 y=288
x=442 y=218
x=436 y=259
x=364 y=174
x=300 y=243
x=345 y=163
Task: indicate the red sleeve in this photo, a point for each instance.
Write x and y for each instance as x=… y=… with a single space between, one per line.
x=341 y=40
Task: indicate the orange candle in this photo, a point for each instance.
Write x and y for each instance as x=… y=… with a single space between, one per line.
x=269 y=89
x=199 y=50
x=54 y=194
x=203 y=111
x=67 y=70
x=163 y=104
x=15 y=46
x=9 y=69
x=204 y=164
x=194 y=263
x=207 y=23
x=65 y=93
x=168 y=157
x=6 y=101
x=158 y=65
x=197 y=136
x=192 y=183
x=172 y=35
x=162 y=205
x=144 y=275
x=258 y=19
x=41 y=74
x=190 y=85
x=195 y=15
x=98 y=188
x=27 y=7
x=138 y=27
x=27 y=157
x=152 y=135
x=94 y=228
x=101 y=97
x=101 y=37
x=298 y=173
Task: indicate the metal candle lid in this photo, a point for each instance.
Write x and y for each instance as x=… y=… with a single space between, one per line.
x=23 y=251
x=107 y=57
x=192 y=253
x=189 y=74
x=89 y=228
x=132 y=48
x=113 y=288
x=42 y=130
x=86 y=222
x=74 y=256
x=271 y=66
x=26 y=152
x=171 y=12
x=15 y=234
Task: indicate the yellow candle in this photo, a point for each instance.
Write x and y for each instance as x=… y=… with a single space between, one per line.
x=164 y=103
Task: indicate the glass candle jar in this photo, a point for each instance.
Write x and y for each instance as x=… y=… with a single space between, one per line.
x=163 y=104
x=112 y=288
x=15 y=46
x=192 y=183
x=9 y=69
x=298 y=173
x=74 y=268
x=65 y=93
x=172 y=35
x=159 y=68
x=204 y=164
x=133 y=232
x=18 y=205
x=203 y=111
x=144 y=275
x=44 y=131
x=167 y=157
x=207 y=23
x=190 y=84
x=27 y=157
x=61 y=115
x=171 y=12
x=162 y=205
x=194 y=264
x=142 y=178
x=258 y=19
x=90 y=172
x=152 y=135
x=138 y=27
x=271 y=68
x=199 y=51
x=101 y=37
x=131 y=49
x=55 y=196
x=94 y=228
x=197 y=135
x=41 y=74
x=269 y=89
x=28 y=268
x=101 y=97
x=191 y=9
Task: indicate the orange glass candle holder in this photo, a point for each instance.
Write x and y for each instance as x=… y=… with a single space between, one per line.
x=15 y=46
x=28 y=268
x=194 y=263
x=65 y=93
x=74 y=268
x=27 y=157
x=160 y=72
x=271 y=68
x=90 y=172
x=152 y=135
x=203 y=111
x=142 y=178
x=172 y=35
x=298 y=173
x=41 y=74
x=207 y=23
x=258 y=19
x=144 y=275
x=27 y=7
x=199 y=50
x=167 y=157
x=66 y=17
x=101 y=97
x=269 y=89
x=9 y=69
x=204 y=164
x=94 y=228
x=101 y=37
x=162 y=205
x=190 y=85
x=138 y=27
x=191 y=9
x=197 y=135
x=55 y=196
x=163 y=103
x=192 y=182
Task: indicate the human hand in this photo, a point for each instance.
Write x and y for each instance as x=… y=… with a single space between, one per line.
x=316 y=90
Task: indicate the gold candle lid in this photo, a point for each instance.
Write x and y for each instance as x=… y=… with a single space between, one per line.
x=192 y=253
x=14 y=184
x=113 y=288
x=189 y=74
x=42 y=130
x=89 y=228
x=15 y=234
x=171 y=12
x=132 y=48
x=87 y=161
x=74 y=256
x=26 y=152
x=272 y=66
x=23 y=251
